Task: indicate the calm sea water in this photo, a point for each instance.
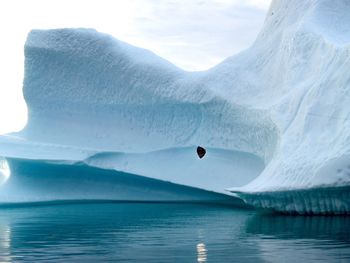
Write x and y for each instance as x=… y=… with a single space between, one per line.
x=167 y=233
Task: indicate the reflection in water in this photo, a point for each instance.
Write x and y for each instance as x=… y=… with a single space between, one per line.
x=311 y=227
x=311 y=238
x=5 y=242
x=167 y=233
x=201 y=253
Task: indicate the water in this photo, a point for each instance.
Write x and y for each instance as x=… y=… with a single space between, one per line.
x=167 y=233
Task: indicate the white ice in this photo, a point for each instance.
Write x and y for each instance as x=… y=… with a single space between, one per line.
x=274 y=118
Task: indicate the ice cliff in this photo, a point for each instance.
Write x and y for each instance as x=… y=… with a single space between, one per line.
x=111 y=121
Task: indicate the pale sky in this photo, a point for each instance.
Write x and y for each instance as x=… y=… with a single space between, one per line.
x=192 y=34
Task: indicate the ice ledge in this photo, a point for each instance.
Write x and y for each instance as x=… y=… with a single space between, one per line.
x=323 y=201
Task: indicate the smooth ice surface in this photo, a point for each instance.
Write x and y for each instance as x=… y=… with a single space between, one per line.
x=167 y=233
x=274 y=118
x=40 y=181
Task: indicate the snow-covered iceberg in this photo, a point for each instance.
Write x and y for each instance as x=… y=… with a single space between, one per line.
x=274 y=118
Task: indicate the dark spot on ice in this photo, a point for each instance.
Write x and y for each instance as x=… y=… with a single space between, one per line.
x=339 y=171
x=201 y=152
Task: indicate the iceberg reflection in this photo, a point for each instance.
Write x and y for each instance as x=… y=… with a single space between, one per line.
x=5 y=241
x=167 y=233
x=201 y=252
x=310 y=238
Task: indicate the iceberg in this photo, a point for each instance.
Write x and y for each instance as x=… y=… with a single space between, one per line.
x=300 y=61
x=110 y=121
x=96 y=104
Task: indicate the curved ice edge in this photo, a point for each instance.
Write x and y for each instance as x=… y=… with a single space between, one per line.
x=34 y=181
x=220 y=168
x=6 y=205
x=313 y=201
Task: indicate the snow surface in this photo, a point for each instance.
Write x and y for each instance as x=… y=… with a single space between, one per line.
x=274 y=118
